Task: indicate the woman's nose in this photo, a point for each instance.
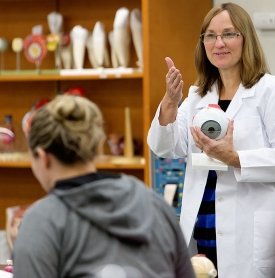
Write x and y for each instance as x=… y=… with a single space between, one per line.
x=219 y=41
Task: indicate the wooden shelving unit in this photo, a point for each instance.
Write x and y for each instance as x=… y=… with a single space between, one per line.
x=169 y=29
x=66 y=75
x=22 y=160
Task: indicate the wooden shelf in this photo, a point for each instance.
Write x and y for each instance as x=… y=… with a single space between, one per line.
x=62 y=75
x=22 y=160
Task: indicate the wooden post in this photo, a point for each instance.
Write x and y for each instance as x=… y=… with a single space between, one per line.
x=128 y=137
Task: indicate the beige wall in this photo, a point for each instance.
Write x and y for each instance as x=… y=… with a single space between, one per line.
x=267 y=38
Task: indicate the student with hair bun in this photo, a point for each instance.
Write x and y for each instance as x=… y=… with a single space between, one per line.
x=91 y=221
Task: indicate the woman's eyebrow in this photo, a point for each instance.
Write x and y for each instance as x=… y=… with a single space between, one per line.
x=224 y=30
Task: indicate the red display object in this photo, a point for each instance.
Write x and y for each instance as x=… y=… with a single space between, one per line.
x=77 y=91
x=65 y=40
x=35 y=48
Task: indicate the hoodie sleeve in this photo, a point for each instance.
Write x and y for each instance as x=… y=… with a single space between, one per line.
x=184 y=268
x=178 y=247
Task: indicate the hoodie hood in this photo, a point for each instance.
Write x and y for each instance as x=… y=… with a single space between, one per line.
x=122 y=207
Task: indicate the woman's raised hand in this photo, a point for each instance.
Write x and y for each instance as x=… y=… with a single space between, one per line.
x=174 y=83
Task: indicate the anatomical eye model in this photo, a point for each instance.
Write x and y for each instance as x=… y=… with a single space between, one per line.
x=212 y=121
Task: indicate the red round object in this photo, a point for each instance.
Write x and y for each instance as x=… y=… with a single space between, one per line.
x=76 y=91
x=8 y=268
x=41 y=103
x=7 y=136
x=214 y=105
x=35 y=48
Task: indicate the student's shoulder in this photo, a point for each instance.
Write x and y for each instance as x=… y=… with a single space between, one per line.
x=45 y=207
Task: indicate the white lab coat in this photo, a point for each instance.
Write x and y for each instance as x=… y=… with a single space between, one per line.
x=245 y=197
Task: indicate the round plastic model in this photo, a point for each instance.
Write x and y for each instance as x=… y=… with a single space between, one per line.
x=212 y=121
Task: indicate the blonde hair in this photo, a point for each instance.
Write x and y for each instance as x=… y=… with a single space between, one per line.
x=69 y=127
x=253 y=63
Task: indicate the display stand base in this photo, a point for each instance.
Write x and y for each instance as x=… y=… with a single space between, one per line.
x=202 y=161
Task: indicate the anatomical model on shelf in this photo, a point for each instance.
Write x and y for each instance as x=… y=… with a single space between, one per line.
x=55 y=23
x=66 y=51
x=3 y=47
x=113 y=54
x=136 y=30
x=17 y=47
x=120 y=38
x=79 y=37
x=53 y=46
x=35 y=46
x=97 y=46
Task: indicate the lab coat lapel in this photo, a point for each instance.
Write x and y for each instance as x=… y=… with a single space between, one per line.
x=237 y=100
x=236 y=103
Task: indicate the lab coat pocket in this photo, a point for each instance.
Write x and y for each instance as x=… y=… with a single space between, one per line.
x=264 y=239
x=248 y=133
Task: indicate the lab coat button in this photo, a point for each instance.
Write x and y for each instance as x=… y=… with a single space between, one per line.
x=219 y=233
x=220 y=199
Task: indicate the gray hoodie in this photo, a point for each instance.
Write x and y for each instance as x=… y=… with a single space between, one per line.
x=111 y=222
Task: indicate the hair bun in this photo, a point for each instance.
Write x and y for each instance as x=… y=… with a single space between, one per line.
x=71 y=111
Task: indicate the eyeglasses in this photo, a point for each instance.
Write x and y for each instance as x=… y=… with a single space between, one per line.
x=208 y=38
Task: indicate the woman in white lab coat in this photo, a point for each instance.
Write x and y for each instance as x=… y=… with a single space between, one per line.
x=232 y=72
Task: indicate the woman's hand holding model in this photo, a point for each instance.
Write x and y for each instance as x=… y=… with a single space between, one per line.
x=221 y=149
